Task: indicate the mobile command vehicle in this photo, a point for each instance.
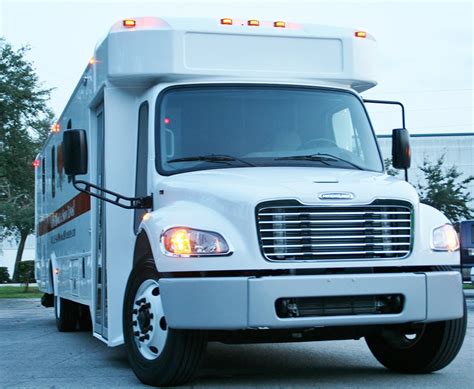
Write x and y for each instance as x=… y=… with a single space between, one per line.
x=219 y=180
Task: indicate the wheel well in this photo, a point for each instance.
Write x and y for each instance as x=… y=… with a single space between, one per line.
x=142 y=247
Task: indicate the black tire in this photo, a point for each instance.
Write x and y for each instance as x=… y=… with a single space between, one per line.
x=433 y=348
x=84 y=319
x=66 y=313
x=182 y=351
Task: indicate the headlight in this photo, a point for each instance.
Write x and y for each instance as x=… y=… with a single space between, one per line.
x=186 y=242
x=445 y=238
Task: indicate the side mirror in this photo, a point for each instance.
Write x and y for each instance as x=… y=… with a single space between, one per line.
x=75 y=152
x=401 y=152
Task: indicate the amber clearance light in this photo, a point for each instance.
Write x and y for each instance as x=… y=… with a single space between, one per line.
x=360 y=34
x=129 y=23
x=227 y=21
x=55 y=128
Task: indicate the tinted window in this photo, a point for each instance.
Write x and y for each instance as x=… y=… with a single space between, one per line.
x=53 y=172
x=261 y=124
x=142 y=159
x=43 y=176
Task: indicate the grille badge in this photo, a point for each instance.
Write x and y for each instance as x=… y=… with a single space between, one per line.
x=336 y=196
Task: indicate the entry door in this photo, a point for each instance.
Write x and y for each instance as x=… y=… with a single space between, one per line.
x=100 y=254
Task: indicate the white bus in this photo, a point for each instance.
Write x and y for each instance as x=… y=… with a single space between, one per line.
x=219 y=180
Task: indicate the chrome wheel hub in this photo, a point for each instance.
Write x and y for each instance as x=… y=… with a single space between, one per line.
x=149 y=327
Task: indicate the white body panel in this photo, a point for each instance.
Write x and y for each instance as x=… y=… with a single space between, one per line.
x=225 y=201
x=134 y=66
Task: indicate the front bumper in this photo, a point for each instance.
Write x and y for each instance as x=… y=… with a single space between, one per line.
x=249 y=302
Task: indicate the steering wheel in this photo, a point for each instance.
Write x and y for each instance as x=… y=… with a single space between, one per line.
x=318 y=142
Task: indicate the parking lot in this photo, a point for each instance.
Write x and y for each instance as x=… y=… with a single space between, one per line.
x=33 y=354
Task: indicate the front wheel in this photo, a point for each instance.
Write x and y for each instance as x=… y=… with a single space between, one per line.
x=422 y=348
x=159 y=355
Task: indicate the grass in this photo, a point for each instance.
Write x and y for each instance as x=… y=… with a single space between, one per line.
x=468 y=286
x=8 y=292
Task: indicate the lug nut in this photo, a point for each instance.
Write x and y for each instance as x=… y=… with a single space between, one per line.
x=136 y=333
x=143 y=338
x=134 y=323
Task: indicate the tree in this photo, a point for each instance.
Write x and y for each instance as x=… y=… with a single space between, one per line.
x=389 y=169
x=445 y=190
x=25 y=120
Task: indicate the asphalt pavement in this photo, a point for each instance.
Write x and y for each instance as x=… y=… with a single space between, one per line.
x=34 y=355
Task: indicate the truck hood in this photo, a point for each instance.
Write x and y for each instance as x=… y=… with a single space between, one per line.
x=254 y=185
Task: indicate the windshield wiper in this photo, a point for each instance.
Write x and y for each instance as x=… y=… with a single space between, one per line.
x=319 y=157
x=218 y=158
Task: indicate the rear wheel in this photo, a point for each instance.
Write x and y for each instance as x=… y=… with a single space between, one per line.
x=419 y=349
x=84 y=319
x=159 y=355
x=66 y=313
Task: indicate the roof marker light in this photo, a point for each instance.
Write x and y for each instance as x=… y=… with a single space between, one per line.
x=129 y=23
x=279 y=24
x=92 y=61
x=253 y=22
x=36 y=163
x=360 y=34
x=167 y=121
x=55 y=128
x=227 y=21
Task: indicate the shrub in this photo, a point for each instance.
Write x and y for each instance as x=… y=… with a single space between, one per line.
x=26 y=272
x=4 y=276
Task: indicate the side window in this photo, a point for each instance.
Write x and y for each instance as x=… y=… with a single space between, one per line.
x=53 y=171
x=345 y=135
x=43 y=176
x=68 y=127
x=141 y=175
x=60 y=163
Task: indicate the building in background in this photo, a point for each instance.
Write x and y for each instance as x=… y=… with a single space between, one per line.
x=458 y=149
x=8 y=248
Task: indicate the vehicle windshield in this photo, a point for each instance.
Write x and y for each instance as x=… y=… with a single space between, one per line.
x=216 y=127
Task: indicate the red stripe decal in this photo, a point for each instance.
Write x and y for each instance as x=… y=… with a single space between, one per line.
x=72 y=209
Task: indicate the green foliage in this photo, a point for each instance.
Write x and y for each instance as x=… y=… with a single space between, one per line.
x=446 y=190
x=4 y=276
x=25 y=271
x=389 y=169
x=8 y=292
x=24 y=124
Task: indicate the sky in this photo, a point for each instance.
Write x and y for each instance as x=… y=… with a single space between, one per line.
x=425 y=48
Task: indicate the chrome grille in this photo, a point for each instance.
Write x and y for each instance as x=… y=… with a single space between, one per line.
x=289 y=230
